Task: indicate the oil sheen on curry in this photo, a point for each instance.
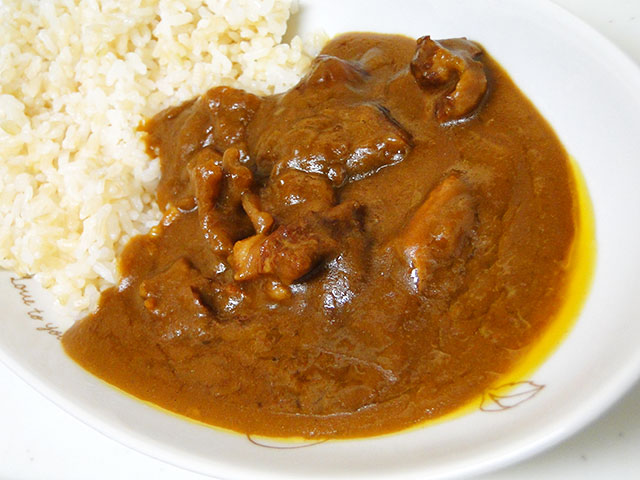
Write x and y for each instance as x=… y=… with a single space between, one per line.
x=369 y=250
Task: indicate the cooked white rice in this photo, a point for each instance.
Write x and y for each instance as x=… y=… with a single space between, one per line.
x=76 y=79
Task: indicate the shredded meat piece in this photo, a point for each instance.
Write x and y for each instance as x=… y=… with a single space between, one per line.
x=238 y=177
x=221 y=186
x=450 y=64
x=291 y=251
x=288 y=253
x=217 y=121
x=262 y=221
x=246 y=259
x=438 y=230
x=206 y=176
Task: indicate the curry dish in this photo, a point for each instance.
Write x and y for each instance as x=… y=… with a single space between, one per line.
x=367 y=251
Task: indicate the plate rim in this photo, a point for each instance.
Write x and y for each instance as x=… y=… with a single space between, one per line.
x=589 y=411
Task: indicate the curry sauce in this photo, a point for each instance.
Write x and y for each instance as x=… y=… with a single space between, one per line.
x=369 y=250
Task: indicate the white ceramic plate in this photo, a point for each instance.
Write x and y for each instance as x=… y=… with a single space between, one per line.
x=590 y=93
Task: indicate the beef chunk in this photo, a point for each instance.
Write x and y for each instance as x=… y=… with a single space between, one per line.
x=450 y=65
x=341 y=142
x=438 y=231
x=291 y=251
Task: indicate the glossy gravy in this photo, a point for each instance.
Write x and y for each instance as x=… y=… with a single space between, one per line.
x=369 y=250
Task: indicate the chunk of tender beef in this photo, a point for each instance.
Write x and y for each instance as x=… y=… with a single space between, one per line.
x=218 y=120
x=341 y=142
x=293 y=194
x=450 y=64
x=438 y=231
x=230 y=110
x=331 y=71
x=175 y=298
x=221 y=186
x=288 y=253
x=291 y=251
x=206 y=178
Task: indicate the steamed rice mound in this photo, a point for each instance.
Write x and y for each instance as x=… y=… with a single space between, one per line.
x=76 y=80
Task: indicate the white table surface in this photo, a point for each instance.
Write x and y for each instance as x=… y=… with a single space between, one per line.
x=40 y=441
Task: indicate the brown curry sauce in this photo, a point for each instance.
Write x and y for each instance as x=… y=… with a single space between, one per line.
x=367 y=251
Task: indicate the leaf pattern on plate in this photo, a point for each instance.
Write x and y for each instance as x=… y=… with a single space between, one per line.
x=509 y=395
x=266 y=443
